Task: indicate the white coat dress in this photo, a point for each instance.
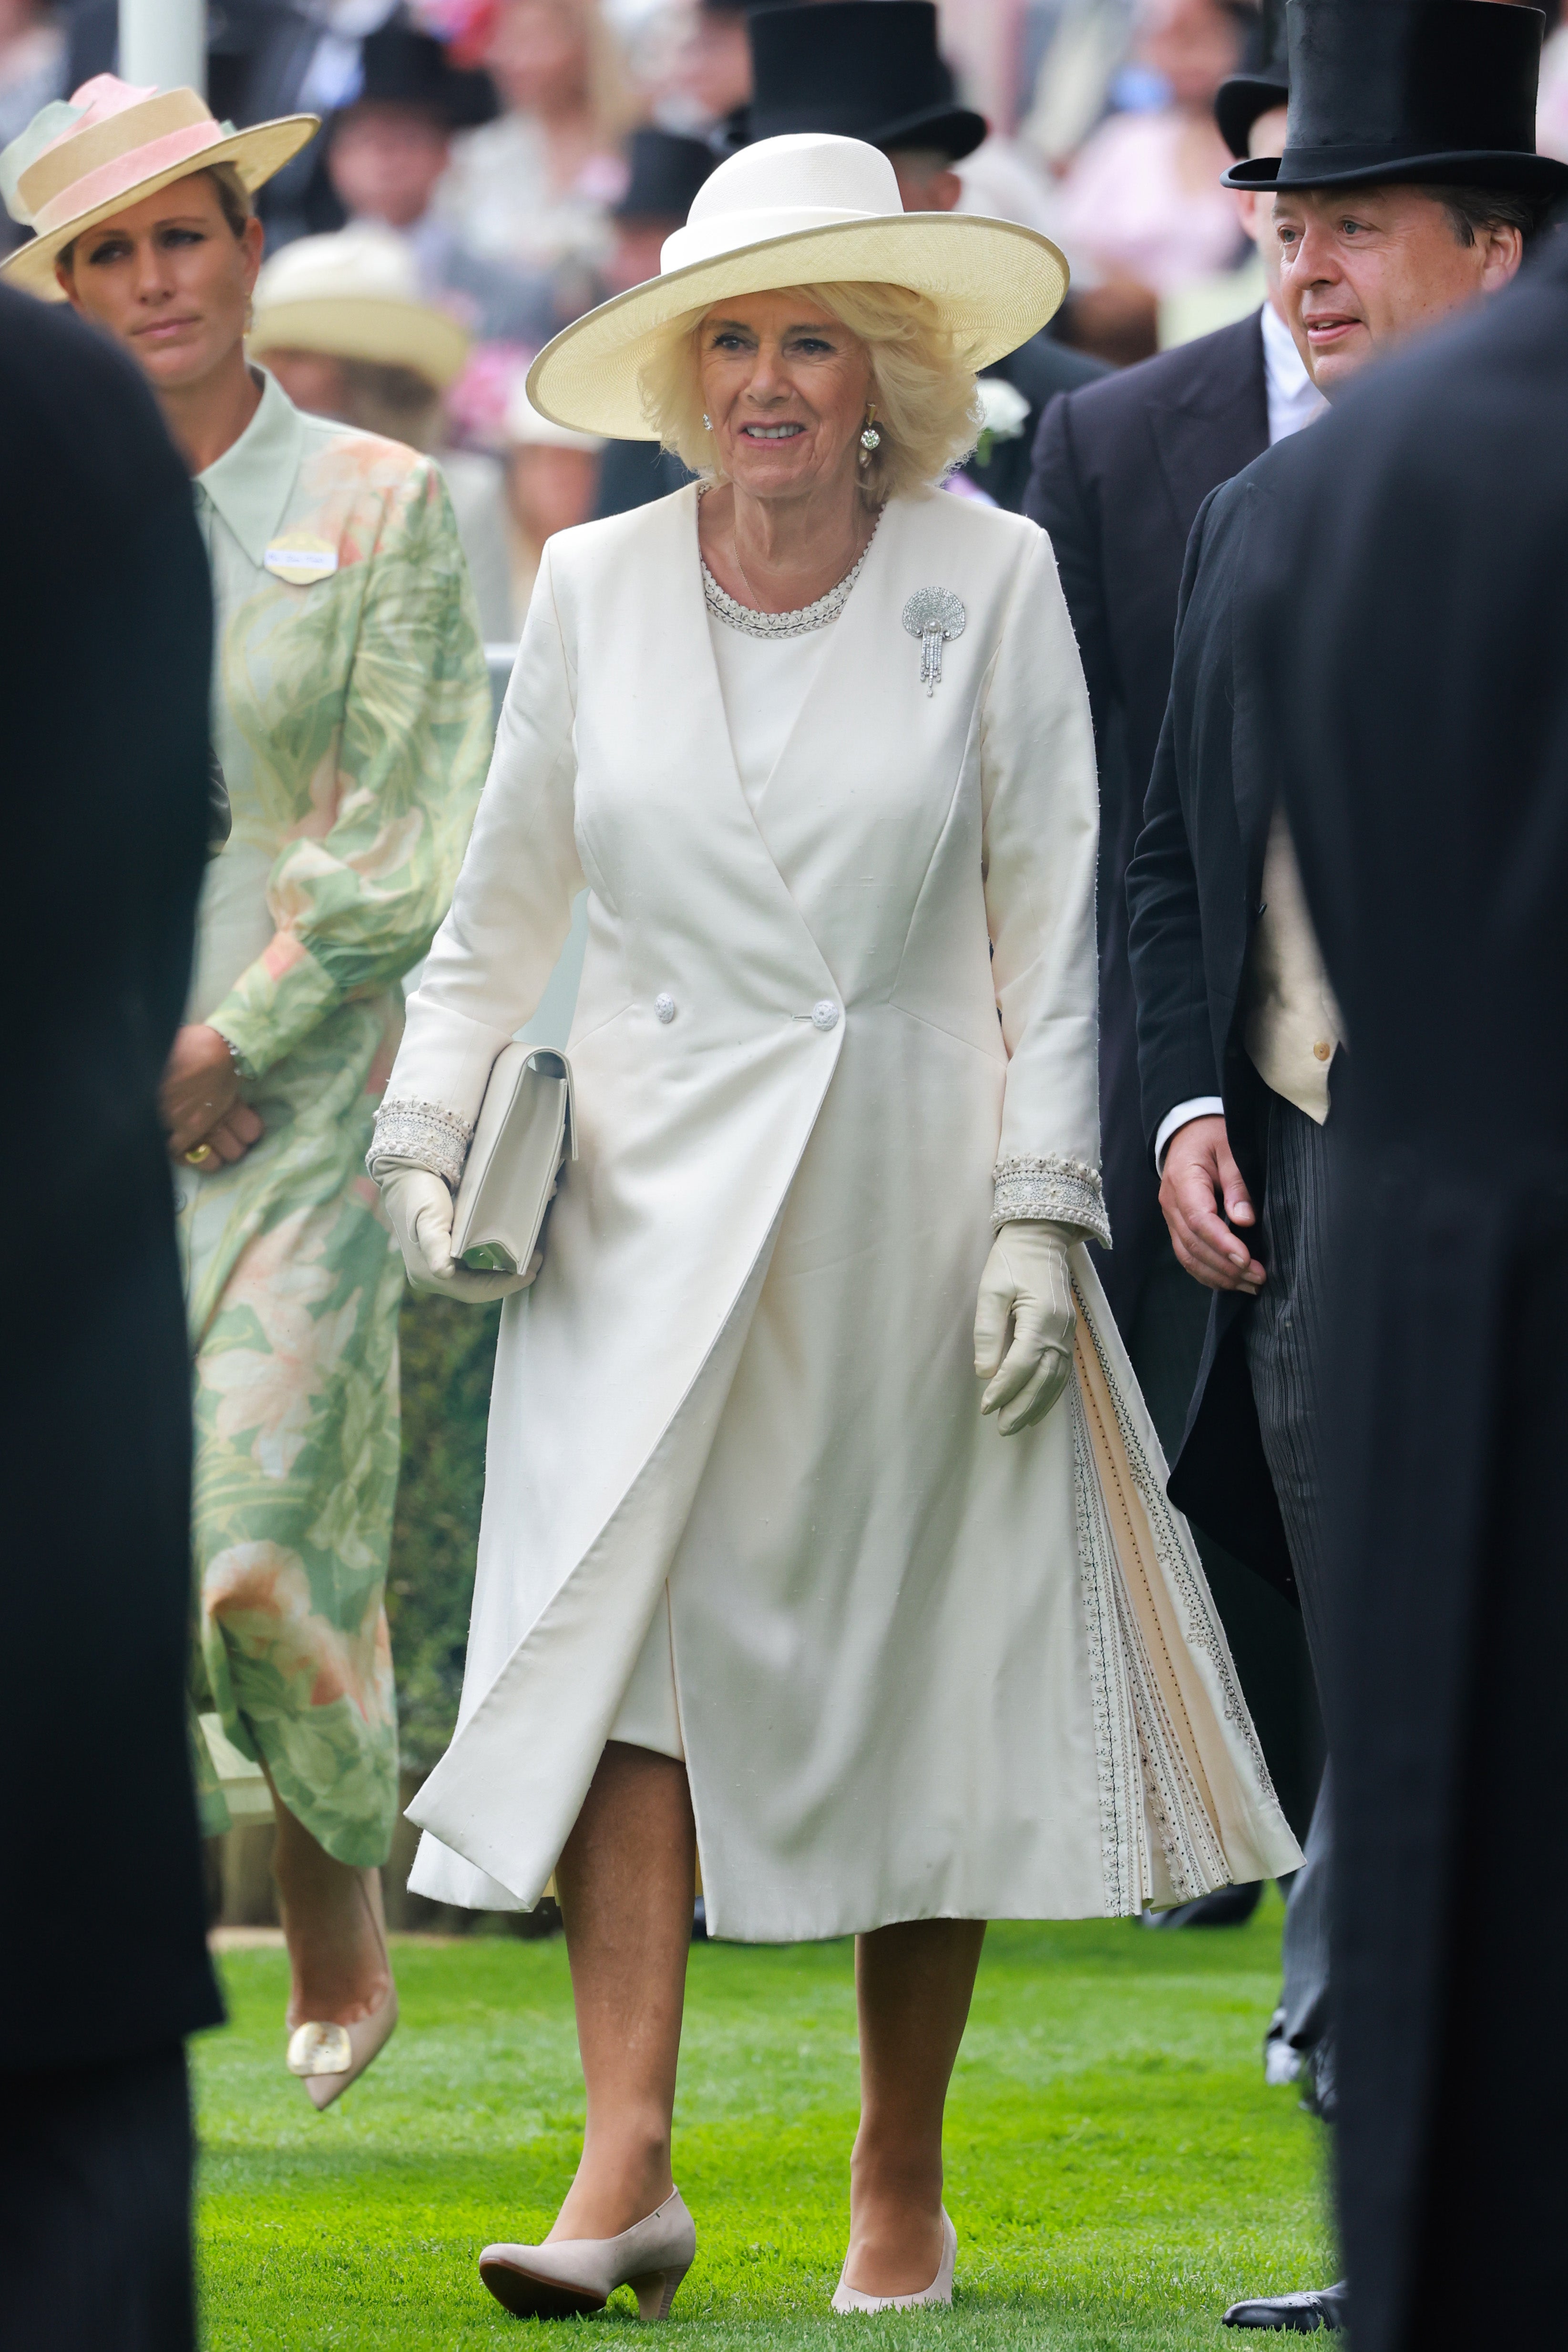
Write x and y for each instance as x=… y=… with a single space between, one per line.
x=920 y=1669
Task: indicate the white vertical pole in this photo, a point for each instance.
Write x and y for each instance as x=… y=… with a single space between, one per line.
x=163 y=42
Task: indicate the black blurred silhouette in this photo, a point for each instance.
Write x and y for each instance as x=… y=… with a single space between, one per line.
x=105 y=653
x=1418 y=583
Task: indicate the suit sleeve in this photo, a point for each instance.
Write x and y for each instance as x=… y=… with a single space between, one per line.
x=1040 y=839
x=1059 y=501
x=510 y=913
x=1175 y=1044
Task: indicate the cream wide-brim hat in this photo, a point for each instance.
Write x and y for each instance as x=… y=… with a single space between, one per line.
x=355 y=294
x=113 y=145
x=808 y=209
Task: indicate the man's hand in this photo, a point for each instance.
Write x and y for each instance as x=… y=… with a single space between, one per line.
x=1199 y=1175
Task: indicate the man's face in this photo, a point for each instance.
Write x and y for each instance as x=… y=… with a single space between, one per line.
x=638 y=246
x=712 y=63
x=314 y=380
x=1362 y=268
x=926 y=180
x=1267 y=137
x=384 y=161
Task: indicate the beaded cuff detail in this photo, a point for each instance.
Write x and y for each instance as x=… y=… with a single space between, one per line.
x=242 y=1067
x=421 y=1134
x=1066 y=1191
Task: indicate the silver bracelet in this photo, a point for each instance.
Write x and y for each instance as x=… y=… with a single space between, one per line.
x=242 y=1068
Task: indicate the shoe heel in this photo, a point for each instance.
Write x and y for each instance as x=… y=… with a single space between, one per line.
x=655 y=2291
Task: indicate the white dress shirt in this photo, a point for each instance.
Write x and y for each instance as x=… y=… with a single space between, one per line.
x=1294 y=399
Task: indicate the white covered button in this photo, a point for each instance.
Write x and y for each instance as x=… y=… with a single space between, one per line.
x=825 y=1014
x=664 y=1007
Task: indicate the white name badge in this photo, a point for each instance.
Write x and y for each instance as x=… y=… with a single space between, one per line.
x=299 y=558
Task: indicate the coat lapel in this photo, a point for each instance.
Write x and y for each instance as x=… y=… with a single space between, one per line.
x=869 y=657
x=1198 y=436
x=844 y=802
x=715 y=774
x=1254 y=768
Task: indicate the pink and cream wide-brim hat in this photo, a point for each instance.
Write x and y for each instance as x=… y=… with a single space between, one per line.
x=84 y=159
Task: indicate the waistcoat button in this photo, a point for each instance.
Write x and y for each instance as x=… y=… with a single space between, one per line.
x=825 y=1014
x=664 y=1007
x=1321 y=1050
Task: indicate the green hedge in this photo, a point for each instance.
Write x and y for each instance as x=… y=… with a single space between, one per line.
x=448 y=1351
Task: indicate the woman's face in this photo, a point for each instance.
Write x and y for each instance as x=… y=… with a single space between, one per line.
x=538 y=55
x=169 y=279
x=785 y=385
x=1194 y=44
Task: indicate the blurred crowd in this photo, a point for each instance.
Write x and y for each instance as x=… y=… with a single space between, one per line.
x=491 y=169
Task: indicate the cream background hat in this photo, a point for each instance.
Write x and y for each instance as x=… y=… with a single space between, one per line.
x=805 y=209
x=85 y=158
x=356 y=295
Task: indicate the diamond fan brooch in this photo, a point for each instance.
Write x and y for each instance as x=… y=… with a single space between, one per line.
x=934 y=615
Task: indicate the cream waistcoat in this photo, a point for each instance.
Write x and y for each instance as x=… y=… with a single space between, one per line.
x=1293 y=1023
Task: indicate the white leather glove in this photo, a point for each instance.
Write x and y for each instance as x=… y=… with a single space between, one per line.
x=419 y=1205
x=1026 y=1281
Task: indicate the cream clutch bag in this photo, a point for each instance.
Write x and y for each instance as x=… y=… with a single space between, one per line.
x=522 y=1138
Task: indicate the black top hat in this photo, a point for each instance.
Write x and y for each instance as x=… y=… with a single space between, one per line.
x=666 y=173
x=1264 y=82
x=1409 y=90
x=402 y=68
x=865 y=68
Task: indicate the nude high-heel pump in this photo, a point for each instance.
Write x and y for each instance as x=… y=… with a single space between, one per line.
x=850 y=2298
x=575 y=2276
x=327 y=2057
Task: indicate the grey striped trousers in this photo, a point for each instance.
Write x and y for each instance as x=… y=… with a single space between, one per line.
x=1284 y=1356
x=1284 y=1345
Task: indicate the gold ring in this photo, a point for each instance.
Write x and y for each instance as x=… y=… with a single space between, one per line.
x=200 y=1157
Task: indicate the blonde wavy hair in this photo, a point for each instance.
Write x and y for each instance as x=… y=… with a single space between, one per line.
x=927 y=406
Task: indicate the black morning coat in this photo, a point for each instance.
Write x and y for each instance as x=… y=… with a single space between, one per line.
x=1192 y=902
x=105 y=661
x=1120 y=471
x=1421 y=582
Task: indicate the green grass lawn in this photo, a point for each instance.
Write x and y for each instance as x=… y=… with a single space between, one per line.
x=1117 y=2168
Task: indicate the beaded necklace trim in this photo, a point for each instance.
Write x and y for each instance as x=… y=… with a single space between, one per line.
x=798 y=623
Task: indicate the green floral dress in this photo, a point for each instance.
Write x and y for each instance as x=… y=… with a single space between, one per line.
x=352 y=722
